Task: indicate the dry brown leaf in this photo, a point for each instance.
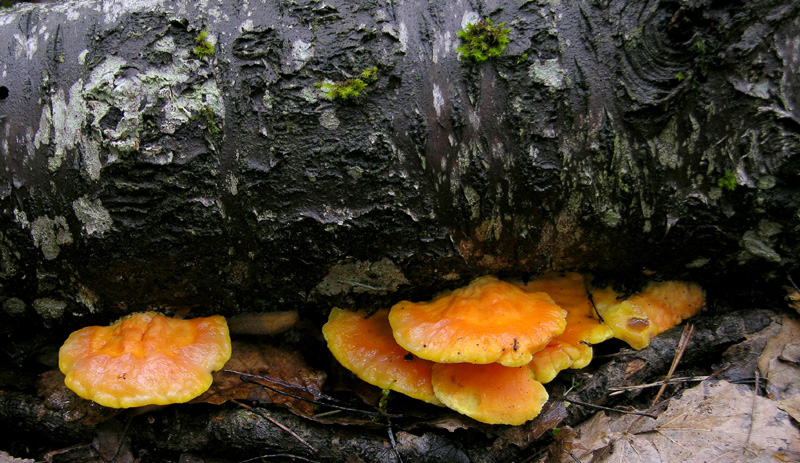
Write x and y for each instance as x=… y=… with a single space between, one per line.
x=715 y=421
x=50 y=387
x=277 y=368
x=553 y=413
x=779 y=365
x=793 y=298
x=742 y=359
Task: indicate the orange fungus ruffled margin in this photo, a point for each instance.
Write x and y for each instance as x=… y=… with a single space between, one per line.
x=573 y=347
x=657 y=308
x=364 y=344
x=488 y=321
x=145 y=359
x=489 y=393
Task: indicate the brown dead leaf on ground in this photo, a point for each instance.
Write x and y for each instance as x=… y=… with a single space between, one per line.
x=780 y=365
x=277 y=368
x=714 y=421
x=793 y=297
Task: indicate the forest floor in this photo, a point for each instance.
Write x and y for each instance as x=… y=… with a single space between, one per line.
x=722 y=388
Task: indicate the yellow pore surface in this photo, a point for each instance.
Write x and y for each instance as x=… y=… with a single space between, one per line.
x=659 y=307
x=572 y=348
x=364 y=345
x=145 y=359
x=488 y=321
x=489 y=393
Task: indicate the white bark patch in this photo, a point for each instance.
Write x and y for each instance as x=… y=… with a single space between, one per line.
x=438 y=100
x=329 y=120
x=94 y=217
x=114 y=9
x=550 y=73
x=442 y=46
x=68 y=119
x=45 y=126
x=26 y=46
x=470 y=17
x=379 y=277
x=49 y=234
x=301 y=52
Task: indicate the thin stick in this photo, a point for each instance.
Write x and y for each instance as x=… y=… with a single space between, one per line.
x=276 y=423
x=279 y=455
x=589 y=294
x=279 y=382
x=789 y=277
x=753 y=412
x=316 y=402
x=685 y=379
x=609 y=409
x=393 y=442
x=684 y=341
x=121 y=440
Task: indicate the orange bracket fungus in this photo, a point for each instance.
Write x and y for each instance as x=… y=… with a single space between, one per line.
x=572 y=348
x=489 y=393
x=145 y=359
x=657 y=308
x=488 y=321
x=484 y=350
x=364 y=345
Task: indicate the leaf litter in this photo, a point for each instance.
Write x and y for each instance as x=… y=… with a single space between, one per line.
x=280 y=369
x=715 y=421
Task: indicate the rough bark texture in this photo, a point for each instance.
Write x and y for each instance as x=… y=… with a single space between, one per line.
x=610 y=136
x=138 y=173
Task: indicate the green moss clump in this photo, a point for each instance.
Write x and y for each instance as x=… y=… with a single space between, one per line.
x=728 y=181
x=348 y=90
x=204 y=47
x=483 y=40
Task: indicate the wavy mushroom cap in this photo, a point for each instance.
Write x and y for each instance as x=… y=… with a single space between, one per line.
x=488 y=321
x=364 y=345
x=145 y=359
x=490 y=393
x=572 y=348
x=657 y=308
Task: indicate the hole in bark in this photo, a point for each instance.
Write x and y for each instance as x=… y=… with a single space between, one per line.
x=3 y=92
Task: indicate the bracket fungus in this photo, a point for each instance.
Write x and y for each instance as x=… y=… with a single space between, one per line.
x=657 y=308
x=490 y=393
x=484 y=350
x=145 y=359
x=573 y=347
x=364 y=344
x=488 y=321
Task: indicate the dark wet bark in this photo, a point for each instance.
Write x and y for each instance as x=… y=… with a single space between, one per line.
x=139 y=173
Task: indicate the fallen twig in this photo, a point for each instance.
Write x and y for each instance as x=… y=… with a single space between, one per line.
x=621 y=389
x=276 y=423
x=752 y=412
x=609 y=409
x=245 y=377
x=279 y=455
x=684 y=341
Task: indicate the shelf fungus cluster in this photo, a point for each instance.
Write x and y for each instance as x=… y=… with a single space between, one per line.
x=145 y=359
x=486 y=349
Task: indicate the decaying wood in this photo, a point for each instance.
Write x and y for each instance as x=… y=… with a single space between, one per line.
x=609 y=136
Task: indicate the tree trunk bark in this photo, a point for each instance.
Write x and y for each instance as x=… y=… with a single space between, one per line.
x=142 y=171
